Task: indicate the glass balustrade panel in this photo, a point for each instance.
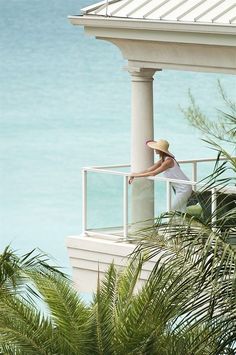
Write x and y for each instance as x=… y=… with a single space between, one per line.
x=104 y=202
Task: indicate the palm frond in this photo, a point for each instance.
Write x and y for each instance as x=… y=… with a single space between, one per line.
x=15 y=271
x=24 y=329
x=69 y=314
x=200 y=274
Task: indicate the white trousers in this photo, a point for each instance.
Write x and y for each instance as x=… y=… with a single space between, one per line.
x=181 y=199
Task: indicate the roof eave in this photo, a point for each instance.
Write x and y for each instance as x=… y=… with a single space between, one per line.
x=155 y=25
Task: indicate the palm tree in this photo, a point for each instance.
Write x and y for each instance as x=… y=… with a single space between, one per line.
x=186 y=306
x=32 y=322
x=201 y=282
x=217 y=133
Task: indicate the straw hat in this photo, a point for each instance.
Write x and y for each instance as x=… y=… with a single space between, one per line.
x=161 y=145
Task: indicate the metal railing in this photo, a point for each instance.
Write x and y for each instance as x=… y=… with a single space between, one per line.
x=109 y=170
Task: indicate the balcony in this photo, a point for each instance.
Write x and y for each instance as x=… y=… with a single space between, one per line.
x=107 y=214
x=106 y=188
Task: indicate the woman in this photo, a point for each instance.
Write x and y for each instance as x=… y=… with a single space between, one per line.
x=170 y=169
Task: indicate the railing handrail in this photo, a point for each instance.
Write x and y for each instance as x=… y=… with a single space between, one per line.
x=185 y=161
x=106 y=170
x=202 y=160
x=160 y=178
x=106 y=167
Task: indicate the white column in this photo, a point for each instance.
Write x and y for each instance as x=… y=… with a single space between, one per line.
x=142 y=203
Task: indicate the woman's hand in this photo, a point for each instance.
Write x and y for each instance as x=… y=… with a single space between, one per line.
x=131 y=179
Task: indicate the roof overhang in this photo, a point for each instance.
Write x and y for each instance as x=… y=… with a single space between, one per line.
x=163 y=44
x=154 y=30
x=127 y=23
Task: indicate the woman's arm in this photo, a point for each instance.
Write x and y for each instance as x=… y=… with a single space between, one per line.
x=154 y=166
x=158 y=168
x=151 y=168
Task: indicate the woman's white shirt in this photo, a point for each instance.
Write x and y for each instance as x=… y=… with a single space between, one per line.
x=176 y=173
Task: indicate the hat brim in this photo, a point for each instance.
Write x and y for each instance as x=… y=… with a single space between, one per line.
x=155 y=145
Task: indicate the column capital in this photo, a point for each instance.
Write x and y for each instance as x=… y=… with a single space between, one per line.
x=141 y=74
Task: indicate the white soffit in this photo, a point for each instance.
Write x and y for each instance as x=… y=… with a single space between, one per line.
x=220 y=12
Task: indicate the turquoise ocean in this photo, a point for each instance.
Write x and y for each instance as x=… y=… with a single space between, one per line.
x=65 y=104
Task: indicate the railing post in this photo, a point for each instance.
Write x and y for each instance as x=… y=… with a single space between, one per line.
x=168 y=195
x=125 y=206
x=84 y=201
x=213 y=205
x=194 y=174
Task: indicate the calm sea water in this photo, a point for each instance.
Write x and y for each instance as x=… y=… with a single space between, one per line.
x=65 y=104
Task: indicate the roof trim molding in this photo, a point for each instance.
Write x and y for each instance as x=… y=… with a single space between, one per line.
x=139 y=25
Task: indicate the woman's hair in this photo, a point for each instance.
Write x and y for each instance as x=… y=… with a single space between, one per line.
x=163 y=155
